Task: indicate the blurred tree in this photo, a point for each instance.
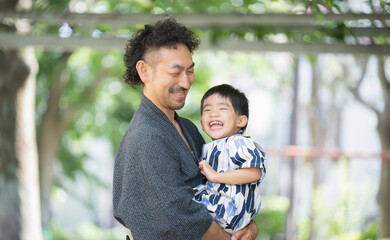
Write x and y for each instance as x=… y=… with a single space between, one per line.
x=382 y=111
x=291 y=218
x=324 y=124
x=69 y=85
x=57 y=118
x=384 y=136
x=52 y=125
x=19 y=189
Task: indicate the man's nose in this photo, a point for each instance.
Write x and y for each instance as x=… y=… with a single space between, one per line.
x=185 y=81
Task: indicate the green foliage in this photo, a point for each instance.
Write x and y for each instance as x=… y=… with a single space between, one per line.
x=58 y=5
x=346 y=220
x=86 y=231
x=71 y=160
x=370 y=232
x=348 y=214
x=303 y=228
x=91 y=84
x=271 y=218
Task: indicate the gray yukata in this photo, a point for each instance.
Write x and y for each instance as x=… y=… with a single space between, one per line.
x=154 y=176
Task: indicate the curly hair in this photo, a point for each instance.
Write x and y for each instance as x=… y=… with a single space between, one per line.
x=167 y=32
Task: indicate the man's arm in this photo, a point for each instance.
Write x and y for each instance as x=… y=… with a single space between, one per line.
x=155 y=175
x=238 y=176
x=216 y=232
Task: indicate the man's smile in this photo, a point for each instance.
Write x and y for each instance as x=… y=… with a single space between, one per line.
x=179 y=93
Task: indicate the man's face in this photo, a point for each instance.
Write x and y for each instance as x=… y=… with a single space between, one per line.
x=170 y=77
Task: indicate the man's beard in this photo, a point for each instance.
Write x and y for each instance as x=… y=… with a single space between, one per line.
x=179 y=105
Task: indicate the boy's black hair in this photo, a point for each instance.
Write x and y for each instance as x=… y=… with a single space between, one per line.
x=239 y=100
x=164 y=33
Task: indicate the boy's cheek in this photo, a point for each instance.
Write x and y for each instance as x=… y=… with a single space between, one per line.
x=201 y=124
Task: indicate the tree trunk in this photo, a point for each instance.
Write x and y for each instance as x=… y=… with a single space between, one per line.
x=290 y=221
x=51 y=130
x=383 y=128
x=322 y=132
x=383 y=197
x=55 y=121
x=20 y=216
x=317 y=136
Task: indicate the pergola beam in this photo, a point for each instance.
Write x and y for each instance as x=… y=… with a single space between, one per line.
x=378 y=25
x=191 y=20
x=8 y=40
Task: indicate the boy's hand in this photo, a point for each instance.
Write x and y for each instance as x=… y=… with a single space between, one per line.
x=208 y=171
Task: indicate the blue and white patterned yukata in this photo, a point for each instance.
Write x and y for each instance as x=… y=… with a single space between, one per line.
x=232 y=206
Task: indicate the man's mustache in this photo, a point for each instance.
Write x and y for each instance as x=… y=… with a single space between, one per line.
x=178 y=89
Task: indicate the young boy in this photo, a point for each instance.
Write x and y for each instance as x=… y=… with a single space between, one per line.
x=233 y=164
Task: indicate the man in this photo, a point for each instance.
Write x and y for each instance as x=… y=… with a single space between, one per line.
x=156 y=164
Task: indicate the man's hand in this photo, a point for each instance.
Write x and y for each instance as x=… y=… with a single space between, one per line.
x=247 y=233
x=216 y=232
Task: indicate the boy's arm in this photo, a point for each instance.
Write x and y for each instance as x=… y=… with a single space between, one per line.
x=239 y=176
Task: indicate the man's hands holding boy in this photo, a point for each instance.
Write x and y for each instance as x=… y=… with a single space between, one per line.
x=249 y=232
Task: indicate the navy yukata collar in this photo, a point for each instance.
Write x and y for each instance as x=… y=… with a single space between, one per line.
x=145 y=101
x=237 y=133
x=168 y=124
x=148 y=102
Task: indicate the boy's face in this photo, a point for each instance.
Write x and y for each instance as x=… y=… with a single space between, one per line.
x=219 y=119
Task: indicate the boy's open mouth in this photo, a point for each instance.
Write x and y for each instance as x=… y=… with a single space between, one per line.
x=216 y=125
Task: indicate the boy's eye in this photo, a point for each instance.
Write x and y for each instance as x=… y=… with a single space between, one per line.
x=206 y=110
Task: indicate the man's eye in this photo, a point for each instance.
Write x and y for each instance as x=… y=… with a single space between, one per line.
x=175 y=74
x=190 y=72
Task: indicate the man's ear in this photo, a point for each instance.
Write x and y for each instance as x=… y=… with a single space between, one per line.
x=242 y=121
x=143 y=70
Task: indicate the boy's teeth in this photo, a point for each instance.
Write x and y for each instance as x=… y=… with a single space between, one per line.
x=215 y=123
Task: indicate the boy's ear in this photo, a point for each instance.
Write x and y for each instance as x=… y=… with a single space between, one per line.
x=143 y=70
x=242 y=121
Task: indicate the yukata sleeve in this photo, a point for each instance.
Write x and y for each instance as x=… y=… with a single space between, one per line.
x=161 y=163
x=245 y=153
